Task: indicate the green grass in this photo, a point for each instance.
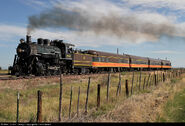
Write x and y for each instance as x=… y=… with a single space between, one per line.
x=174 y=110
x=103 y=110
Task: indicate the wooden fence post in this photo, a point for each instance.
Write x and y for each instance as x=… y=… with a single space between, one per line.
x=171 y=76
x=173 y=72
x=163 y=77
x=98 y=96
x=140 y=80
x=176 y=74
x=144 y=83
x=39 y=107
x=108 y=84
x=132 y=83
x=179 y=73
x=120 y=88
x=71 y=96
x=78 y=101
x=119 y=85
x=155 y=80
x=148 y=80
x=157 y=77
x=126 y=88
x=60 y=98
x=160 y=76
x=137 y=82
x=17 y=107
x=86 y=103
x=152 y=81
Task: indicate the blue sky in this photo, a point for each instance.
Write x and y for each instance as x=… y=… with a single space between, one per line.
x=14 y=20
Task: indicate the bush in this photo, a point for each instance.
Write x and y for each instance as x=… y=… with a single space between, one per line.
x=0 y=68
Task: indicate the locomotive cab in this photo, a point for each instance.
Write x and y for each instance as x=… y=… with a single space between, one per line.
x=66 y=55
x=66 y=49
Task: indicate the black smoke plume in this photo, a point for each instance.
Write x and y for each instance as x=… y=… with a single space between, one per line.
x=110 y=24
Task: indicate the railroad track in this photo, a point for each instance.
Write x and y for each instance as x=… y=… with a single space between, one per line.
x=33 y=77
x=9 y=77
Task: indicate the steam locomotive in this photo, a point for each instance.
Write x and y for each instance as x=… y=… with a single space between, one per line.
x=46 y=57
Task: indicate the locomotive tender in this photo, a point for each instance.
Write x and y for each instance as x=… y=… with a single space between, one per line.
x=46 y=57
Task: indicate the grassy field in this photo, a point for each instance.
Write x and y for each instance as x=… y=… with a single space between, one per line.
x=28 y=96
x=174 y=110
x=3 y=71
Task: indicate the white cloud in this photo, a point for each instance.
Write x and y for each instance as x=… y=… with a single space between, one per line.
x=9 y=32
x=172 y=4
x=165 y=52
x=95 y=7
x=36 y=4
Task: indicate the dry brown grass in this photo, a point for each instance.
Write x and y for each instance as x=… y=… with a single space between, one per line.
x=3 y=71
x=50 y=87
x=145 y=107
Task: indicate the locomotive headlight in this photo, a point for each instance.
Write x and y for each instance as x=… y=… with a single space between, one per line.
x=20 y=50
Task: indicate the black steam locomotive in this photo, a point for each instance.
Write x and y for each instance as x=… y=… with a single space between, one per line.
x=46 y=57
x=42 y=58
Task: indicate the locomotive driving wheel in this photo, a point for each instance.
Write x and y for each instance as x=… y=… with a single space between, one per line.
x=39 y=69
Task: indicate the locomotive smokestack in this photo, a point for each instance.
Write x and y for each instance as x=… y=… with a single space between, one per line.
x=28 y=39
x=117 y=51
